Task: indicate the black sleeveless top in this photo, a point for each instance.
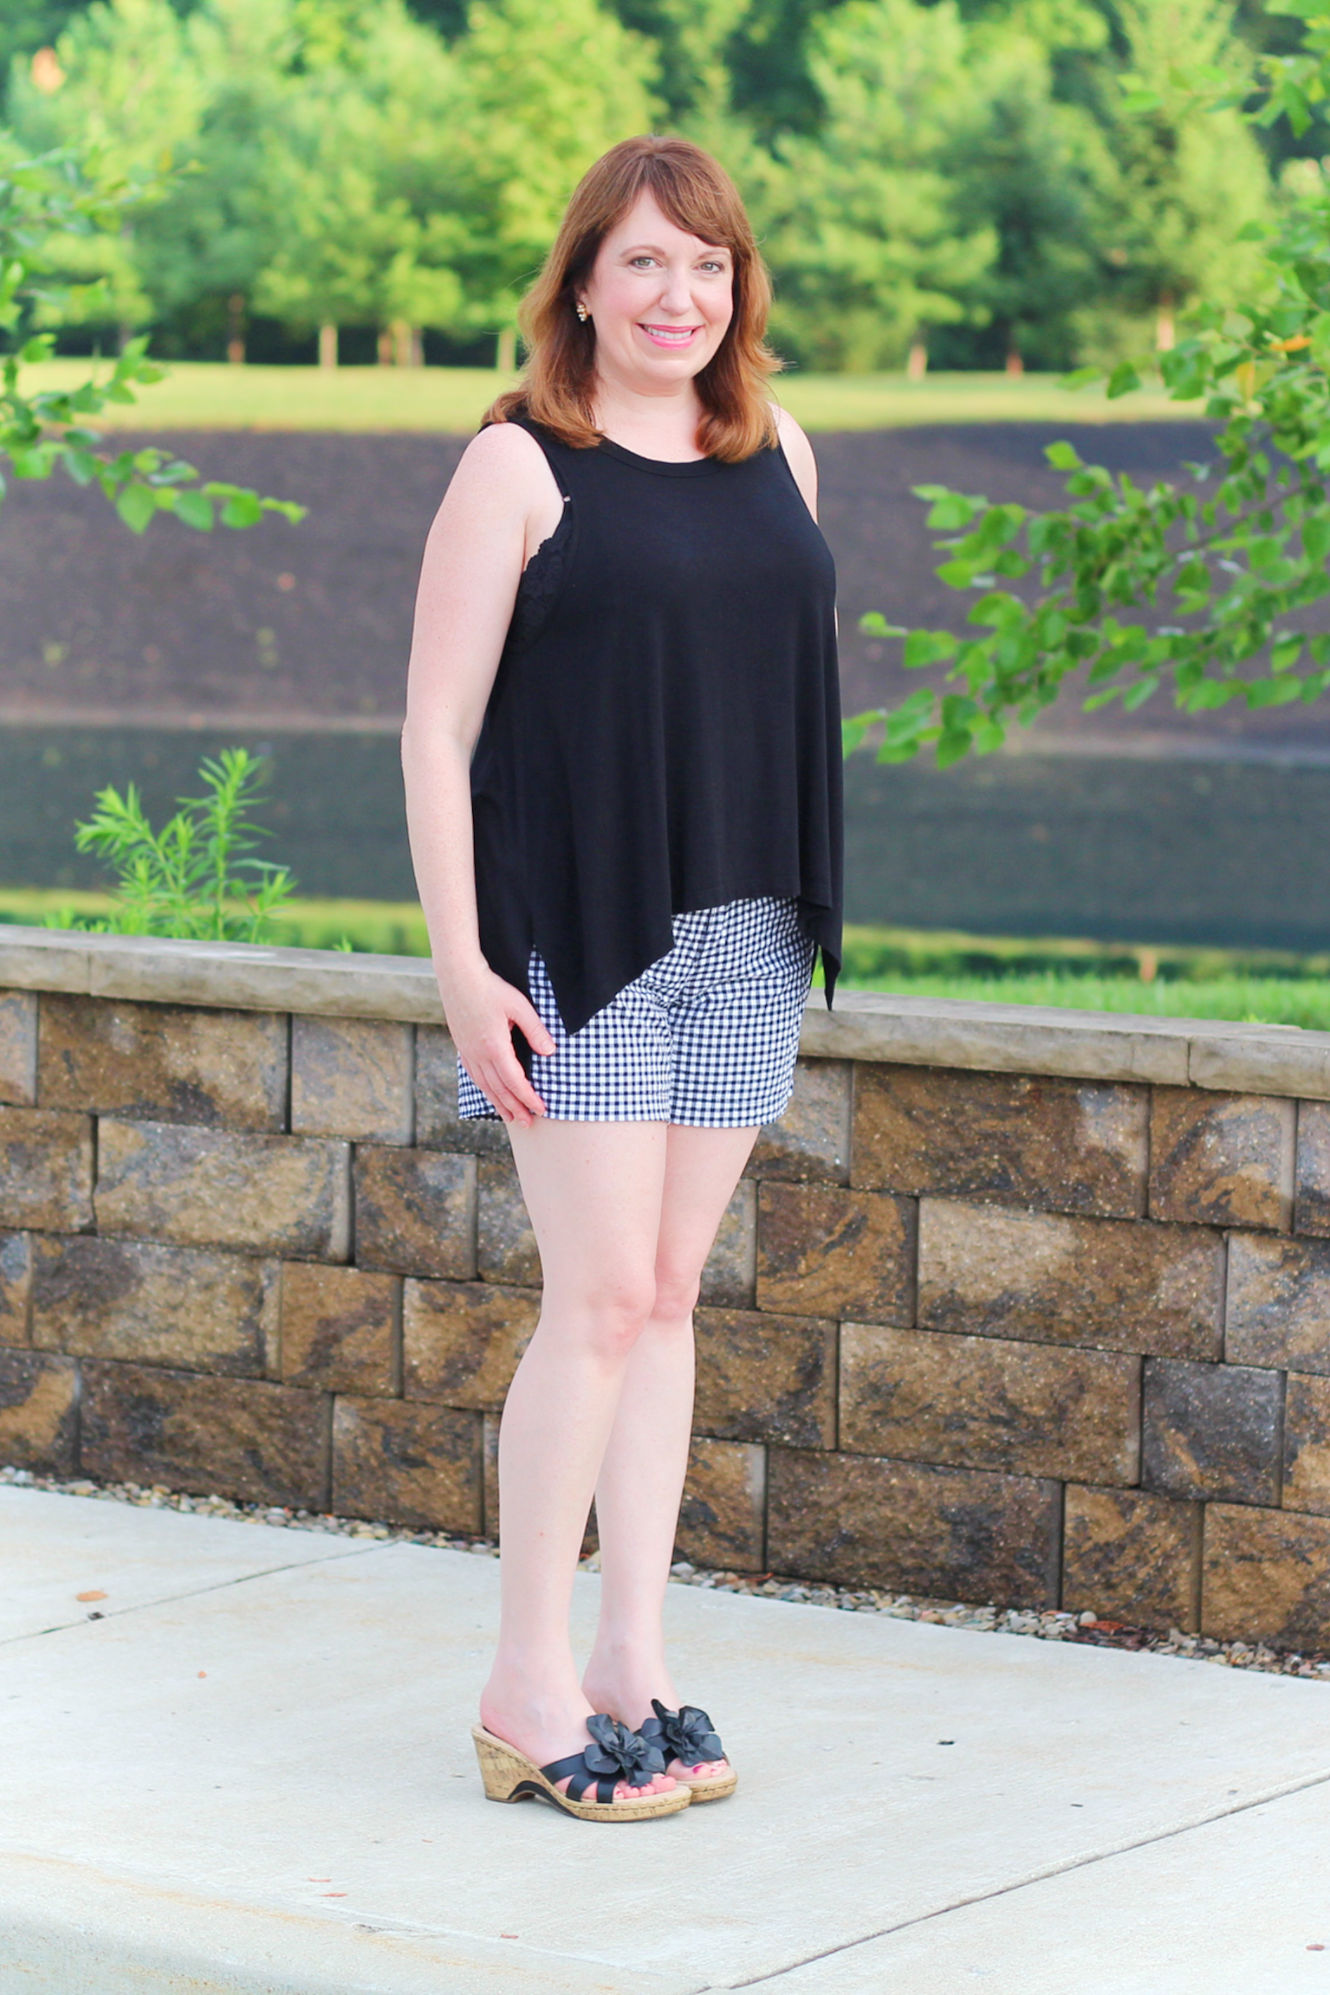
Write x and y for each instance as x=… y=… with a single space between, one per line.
x=663 y=731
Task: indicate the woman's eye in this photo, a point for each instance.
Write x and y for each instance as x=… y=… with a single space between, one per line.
x=641 y=259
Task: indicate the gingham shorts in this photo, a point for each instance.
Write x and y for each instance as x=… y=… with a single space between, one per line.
x=706 y=1036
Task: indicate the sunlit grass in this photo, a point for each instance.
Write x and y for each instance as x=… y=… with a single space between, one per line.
x=890 y=401
x=200 y=394
x=1249 y=1000
x=1263 y=987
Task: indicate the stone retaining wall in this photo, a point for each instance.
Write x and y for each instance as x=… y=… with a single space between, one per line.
x=1013 y=1305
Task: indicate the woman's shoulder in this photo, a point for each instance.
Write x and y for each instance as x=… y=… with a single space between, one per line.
x=502 y=457
x=798 y=454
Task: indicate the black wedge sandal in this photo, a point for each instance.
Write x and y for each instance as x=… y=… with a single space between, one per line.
x=615 y=1754
x=688 y=1736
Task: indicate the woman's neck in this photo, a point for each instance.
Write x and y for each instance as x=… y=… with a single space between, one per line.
x=660 y=425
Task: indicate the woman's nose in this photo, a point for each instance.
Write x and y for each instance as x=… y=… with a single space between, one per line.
x=676 y=296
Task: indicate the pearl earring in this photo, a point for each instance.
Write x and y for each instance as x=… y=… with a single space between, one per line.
x=582 y=313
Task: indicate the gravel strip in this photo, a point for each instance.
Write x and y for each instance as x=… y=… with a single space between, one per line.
x=1046 y=1625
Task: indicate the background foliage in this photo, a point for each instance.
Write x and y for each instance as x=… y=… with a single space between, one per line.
x=972 y=181
x=1200 y=583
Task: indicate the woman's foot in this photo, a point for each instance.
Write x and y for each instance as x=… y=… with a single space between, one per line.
x=628 y=1701
x=547 y=1726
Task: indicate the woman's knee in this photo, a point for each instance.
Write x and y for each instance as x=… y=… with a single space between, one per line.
x=677 y=1290
x=608 y=1311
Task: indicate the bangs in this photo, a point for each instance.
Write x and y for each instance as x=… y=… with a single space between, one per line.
x=694 y=204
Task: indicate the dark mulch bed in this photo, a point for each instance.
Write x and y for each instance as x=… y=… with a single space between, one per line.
x=314 y=621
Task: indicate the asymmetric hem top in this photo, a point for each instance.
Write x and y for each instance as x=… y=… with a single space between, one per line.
x=663 y=731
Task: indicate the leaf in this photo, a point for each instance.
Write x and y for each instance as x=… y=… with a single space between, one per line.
x=1274 y=692
x=997 y=607
x=1122 y=380
x=1211 y=693
x=1063 y=456
x=927 y=647
x=136 y=505
x=1136 y=696
x=81 y=465
x=874 y=624
x=195 y=509
x=949 y=510
x=1011 y=564
x=1315 y=531
x=952 y=748
x=242 y=509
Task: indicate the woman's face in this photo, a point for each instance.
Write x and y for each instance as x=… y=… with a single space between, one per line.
x=659 y=301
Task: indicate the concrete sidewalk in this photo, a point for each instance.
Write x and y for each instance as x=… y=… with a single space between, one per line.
x=254 y=1775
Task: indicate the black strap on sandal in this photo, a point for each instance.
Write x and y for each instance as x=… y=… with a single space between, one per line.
x=615 y=1754
x=686 y=1734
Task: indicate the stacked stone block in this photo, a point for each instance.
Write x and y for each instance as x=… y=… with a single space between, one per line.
x=993 y=1336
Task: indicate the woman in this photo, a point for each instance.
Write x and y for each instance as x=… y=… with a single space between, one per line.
x=622 y=762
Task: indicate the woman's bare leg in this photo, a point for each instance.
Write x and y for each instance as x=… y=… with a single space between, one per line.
x=593 y=1192
x=641 y=1477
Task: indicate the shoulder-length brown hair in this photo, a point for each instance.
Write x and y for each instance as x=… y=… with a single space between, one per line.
x=699 y=197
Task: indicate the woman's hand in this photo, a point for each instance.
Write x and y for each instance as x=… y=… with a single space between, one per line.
x=481 y=1013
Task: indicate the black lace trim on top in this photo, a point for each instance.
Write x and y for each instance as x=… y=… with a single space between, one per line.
x=540 y=582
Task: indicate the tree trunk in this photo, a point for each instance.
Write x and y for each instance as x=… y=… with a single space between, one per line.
x=235 y=329
x=406 y=344
x=1015 y=364
x=384 y=347
x=416 y=357
x=505 y=350
x=916 y=361
x=327 y=345
x=1165 y=331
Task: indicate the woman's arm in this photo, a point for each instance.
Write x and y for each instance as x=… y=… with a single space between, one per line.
x=502 y=501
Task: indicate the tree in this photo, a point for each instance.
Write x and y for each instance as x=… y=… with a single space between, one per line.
x=1036 y=171
x=529 y=122
x=1199 y=582
x=203 y=248
x=862 y=222
x=771 y=87
x=45 y=203
x=125 y=93
x=692 y=39
x=28 y=25
x=1187 y=185
x=359 y=158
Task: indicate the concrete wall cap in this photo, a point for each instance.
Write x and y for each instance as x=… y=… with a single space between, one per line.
x=865 y=1025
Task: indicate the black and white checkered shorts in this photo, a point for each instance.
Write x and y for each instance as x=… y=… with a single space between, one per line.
x=706 y=1036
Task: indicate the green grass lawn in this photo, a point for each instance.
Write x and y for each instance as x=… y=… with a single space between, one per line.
x=1250 y=1000
x=1259 y=986
x=210 y=395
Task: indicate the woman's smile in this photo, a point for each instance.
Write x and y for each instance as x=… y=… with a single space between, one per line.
x=669 y=335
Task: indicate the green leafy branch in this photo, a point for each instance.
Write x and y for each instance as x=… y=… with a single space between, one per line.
x=196 y=877
x=44 y=202
x=1196 y=582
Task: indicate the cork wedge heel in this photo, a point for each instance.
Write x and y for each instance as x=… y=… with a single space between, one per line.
x=509 y=1775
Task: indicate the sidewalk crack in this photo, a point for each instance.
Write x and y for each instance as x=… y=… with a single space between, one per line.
x=191 y=1593
x=1040 y=1877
